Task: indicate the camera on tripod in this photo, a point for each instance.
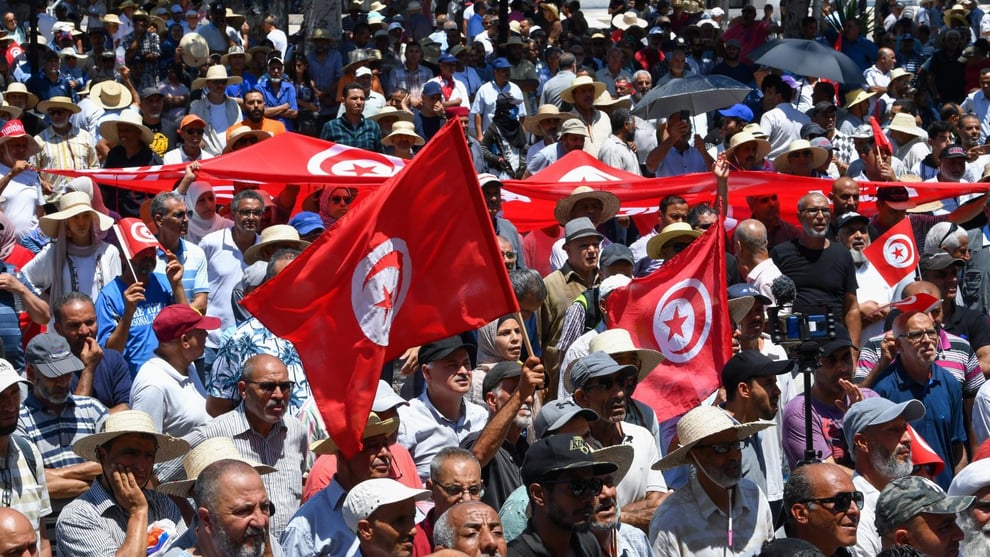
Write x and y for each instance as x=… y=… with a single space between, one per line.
x=790 y=329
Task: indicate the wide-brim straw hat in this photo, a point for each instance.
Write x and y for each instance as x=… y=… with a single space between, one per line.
x=391 y=111
x=278 y=234
x=627 y=20
x=782 y=163
x=762 y=145
x=69 y=205
x=111 y=95
x=71 y=53
x=110 y=18
x=235 y=20
x=905 y=122
x=18 y=87
x=375 y=427
x=235 y=50
x=242 y=131
x=669 y=232
x=568 y=94
x=857 y=96
x=619 y=455
x=545 y=112
x=14 y=129
x=320 y=34
x=206 y=453
x=552 y=8
x=12 y=112
x=403 y=129
x=216 y=73
x=562 y=210
x=58 y=102
x=898 y=73
x=605 y=100
x=195 y=50
x=617 y=341
x=956 y=12
x=123 y=423
x=108 y=129
x=700 y=424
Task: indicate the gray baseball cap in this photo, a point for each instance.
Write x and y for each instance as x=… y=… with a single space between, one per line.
x=876 y=411
x=49 y=353
x=907 y=497
x=596 y=364
x=555 y=414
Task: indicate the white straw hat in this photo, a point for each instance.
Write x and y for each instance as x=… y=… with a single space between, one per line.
x=281 y=234
x=69 y=205
x=617 y=341
x=375 y=426
x=206 y=453
x=700 y=424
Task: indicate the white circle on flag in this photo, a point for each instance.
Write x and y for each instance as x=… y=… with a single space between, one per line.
x=140 y=232
x=682 y=320
x=898 y=251
x=322 y=164
x=379 y=286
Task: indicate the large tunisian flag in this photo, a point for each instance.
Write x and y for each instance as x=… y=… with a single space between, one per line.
x=416 y=262
x=681 y=310
x=894 y=254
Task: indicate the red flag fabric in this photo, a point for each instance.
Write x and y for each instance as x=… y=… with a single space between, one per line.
x=922 y=301
x=418 y=261
x=882 y=141
x=681 y=309
x=13 y=52
x=894 y=254
x=135 y=236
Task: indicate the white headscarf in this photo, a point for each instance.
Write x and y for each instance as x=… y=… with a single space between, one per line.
x=198 y=226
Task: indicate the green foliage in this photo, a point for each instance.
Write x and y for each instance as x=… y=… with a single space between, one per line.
x=846 y=10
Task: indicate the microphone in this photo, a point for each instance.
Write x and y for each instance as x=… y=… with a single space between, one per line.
x=784 y=292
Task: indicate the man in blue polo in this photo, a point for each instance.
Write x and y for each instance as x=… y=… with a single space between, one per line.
x=280 y=94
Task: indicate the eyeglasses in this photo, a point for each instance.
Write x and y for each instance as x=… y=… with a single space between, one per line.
x=723 y=448
x=817 y=211
x=580 y=488
x=952 y=230
x=510 y=255
x=182 y=215
x=929 y=470
x=915 y=336
x=337 y=200
x=269 y=386
x=250 y=212
x=194 y=131
x=477 y=490
x=605 y=384
x=840 y=501
x=57 y=111
x=678 y=247
x=804 y=154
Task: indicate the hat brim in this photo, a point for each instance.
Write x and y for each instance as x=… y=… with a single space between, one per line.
x=739 y=307
x=184 y=488
x=108 y=130
x=260 y=134
x=45 y=106
x=568 y=94
x=65 y=366
x=169 y=447
x=532 y=123
x=200 y=82
x=253 y=253
x=33 y=147
x=762 y=147
x=609 y=201
x=782 y=162
x=125 y=97
x=622 y=102
x=49 y=223
x=389 y=140
x=383 y=427
x=656 y=243
x=679 y=457
x=620 y=455
x=400 y=115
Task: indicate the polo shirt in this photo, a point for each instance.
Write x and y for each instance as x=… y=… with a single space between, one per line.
x=425 y=431
x=111 y=379
x=22 y=488
x=175 y=402
x=318 y=527
x=224 y=270
x=194 y=276
x=54 y=434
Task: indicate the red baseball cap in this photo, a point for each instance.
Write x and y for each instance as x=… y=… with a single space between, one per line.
x=178 y=319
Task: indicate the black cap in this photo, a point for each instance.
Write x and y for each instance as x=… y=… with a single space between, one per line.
x=557 y=453
x=442 y=348
x=820 y=106
x=498 y=373
x=851 y=216
x=954 y=151
x=832 y=346
x=613 y=253
x=811 y=130
x=748 y=364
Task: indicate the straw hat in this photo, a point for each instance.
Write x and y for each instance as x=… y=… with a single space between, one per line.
x=111 y=19
x=905 y=122
x=691 y=7
x=958 y=12
x=562 y=211
x=762 y=145
x=71 y=52
x=669 y=232
x=320 y=34
x=552 y=8
x=403 y=128
x=108 y=129
x=617 y=341
x=361 y=57
x=58 y=102
x=69 y=205
x=110 y=95
x=18 y=87
x=122 y=423
x=277 y=234
x=375 y=427
x=857 y=96
x=701 y=423
x=605 y=101
x=242 y=131
x=195 y=50
x=898 y=73
x=216 y=73
x=513 y=40
x=9 y=111
x=391 y=111
x=235 y=50
x=235 y=20
x=545 y=112
x=620 y=455
x=206 y=453
x=580 y=81
x=818 y=155
x=627 y=20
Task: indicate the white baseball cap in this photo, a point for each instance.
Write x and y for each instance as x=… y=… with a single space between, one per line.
x=366 y=497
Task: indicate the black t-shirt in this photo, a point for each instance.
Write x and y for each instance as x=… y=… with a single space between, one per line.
x=127 y=202
x=501 y=475
x=822 y=277
x=970 y=325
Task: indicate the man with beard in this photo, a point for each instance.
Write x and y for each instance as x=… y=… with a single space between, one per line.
x=455 y=477
x=561 y=475
x=747 y=151
x=822 y=507
x=974 y=480
x=731 y=64
x=63 y=146
x=752 y=394
x=916 y=512
x=610 y=532
x=279 y=95
x=822 y=272
x=718 y=510
x=381 y=512
x=508 y=389
x=872 y=293
x=879 y=442
x=675 y=155
x=52 y=418
x=171 y=217
x=471 y=527
x=845 y=199
x=602 y=385
x=234 y=512
x=264 y=432
x=255 y=115
x=152 y=105
x=573 y=136
x=619 y=149
x=914 y=374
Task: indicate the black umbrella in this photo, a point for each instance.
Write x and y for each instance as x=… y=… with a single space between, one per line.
x=696 y=94
x=811 y=58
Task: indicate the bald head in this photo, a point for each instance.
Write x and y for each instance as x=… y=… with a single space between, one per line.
x=844 y=196
x=922 y=286
x=261 y=363
x=752 y=235
x=17 y=536
x=810 y=198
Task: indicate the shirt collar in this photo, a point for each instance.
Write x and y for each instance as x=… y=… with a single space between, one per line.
x=707 y=507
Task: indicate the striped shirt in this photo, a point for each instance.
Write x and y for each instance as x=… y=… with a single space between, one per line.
x=955 y=355
x=75 y=151
x=54 y=434
x=285 y=448
x=24 y=489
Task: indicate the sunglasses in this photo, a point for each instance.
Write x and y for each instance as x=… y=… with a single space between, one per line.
x=802 y=154
x=269 y=386
x=250 y=212
x=723 y=448
x=929 y=470
x=337 y=200
x=605 y=384
x=477 y=490
x=840 y=501
x=579 y=488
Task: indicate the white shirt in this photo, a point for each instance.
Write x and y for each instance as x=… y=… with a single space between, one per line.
x=21 y=199
x=484 y=102
x=224 y=269
x=641 y=479
x=762 y=276
x=782 y=124
x=978 y=104
x=175 y=402
x=279 y=40
x=867 y=539
x=178 y=155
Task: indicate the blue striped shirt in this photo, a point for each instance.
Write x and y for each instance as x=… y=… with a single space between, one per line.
x=55 y=434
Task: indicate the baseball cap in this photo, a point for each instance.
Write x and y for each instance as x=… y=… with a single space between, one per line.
x=49 y=353
x=176 y=9
x=558 y=453
x=822 y=142
x=386 y=399
x=573 y=126
x=432 y=88
x=836 y=344
x=150 y=92
x=851 y=216
x=362 y=71
x=907 y=497
x=499 y=372
x=954 y=151
x=739 y=111
x=555 y=415
x=811 y=129
x=876 y=411
x=939 y=261
x=896 y=196
x=447 y=59
x=442 y=348
x=501 y=64
x=579 y=228
x=820 y=106
x=178 y=319
x=596 y=364
x=613 y=283
x=613 y=253
x=864 y=131
x=366 y=497
x=748 y=364
x=733 y=42
x=190 y=120
x=743 y=289
x=306 y=221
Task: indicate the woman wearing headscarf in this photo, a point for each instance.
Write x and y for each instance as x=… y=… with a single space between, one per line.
x=499 y=341
x=505 y=140
x=334 y=203
x=202 y=201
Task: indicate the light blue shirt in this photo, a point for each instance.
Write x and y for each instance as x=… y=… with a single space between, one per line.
x=425 y=431
x=318 y=527
x=484 y=102
x=678 y=164
x=194 y=277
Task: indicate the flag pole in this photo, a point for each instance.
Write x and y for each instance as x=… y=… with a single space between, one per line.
x=526 y=342
x=123 y=247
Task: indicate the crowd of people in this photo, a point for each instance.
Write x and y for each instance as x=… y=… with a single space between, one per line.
x=145 y=411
